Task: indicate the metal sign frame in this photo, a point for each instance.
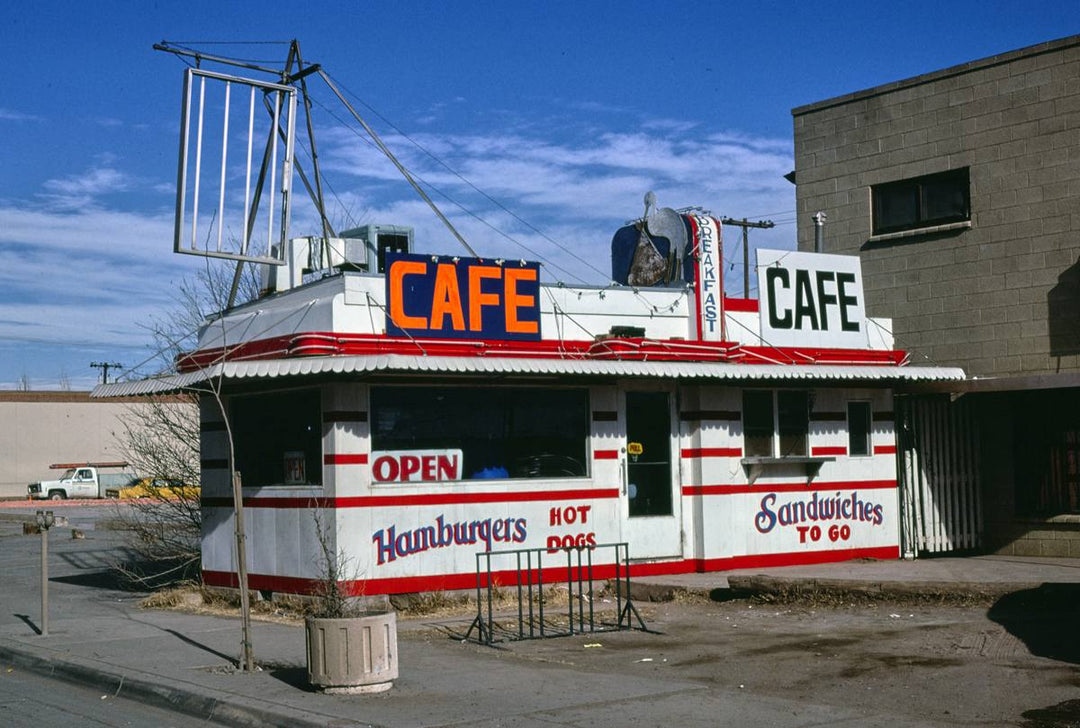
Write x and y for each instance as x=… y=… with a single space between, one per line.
x=280 y=100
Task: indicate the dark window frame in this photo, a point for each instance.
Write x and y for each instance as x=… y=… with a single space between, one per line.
x=918 y=194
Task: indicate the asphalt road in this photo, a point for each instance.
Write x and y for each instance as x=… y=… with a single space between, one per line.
x=1013 y=661
x=32 y=701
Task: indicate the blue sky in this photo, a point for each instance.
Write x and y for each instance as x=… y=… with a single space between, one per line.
x=565 y=113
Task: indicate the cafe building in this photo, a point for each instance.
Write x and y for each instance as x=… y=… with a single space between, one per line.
x=415 y=411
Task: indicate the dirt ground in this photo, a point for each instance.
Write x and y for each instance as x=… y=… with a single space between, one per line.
x=1011 y=661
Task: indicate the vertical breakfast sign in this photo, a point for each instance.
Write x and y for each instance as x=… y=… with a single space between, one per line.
x=709 y=289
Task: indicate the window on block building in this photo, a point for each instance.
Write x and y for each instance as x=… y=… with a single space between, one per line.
x=934 y=199
x=775 y=423
x=858 y=424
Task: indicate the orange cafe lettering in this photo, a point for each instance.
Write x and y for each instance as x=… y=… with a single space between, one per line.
x=439 y=297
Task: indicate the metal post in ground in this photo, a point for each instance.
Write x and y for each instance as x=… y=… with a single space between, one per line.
x=45 y=521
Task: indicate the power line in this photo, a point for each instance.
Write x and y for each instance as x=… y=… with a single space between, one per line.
x=454 y=202
x=457 y=174
x=746 y=225
x=105 y=366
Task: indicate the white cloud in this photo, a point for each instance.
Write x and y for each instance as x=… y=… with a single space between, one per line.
x=11 y=115
x=81 y=190
x=88 y=263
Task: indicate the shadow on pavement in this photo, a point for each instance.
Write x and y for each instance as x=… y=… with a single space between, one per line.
x=103 y=579
x=292 y=675
x=1044 y=619
x=29 y=622
x=1062 y=715
x=195 y=643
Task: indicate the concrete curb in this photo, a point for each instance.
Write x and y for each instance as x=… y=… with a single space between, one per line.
x=762 y=584
x=203 y=703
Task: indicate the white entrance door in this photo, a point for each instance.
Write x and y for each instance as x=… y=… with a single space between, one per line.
x=652 y=506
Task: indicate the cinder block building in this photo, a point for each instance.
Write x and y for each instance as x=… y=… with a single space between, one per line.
x=960 y=191
x=38 y=429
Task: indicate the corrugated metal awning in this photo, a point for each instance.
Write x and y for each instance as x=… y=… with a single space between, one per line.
x=432 y=365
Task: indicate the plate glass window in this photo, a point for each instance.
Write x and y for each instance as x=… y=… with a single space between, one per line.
x=775 y=423
x=757 y=416
x=502 y=433
x=271 y=431
x=648 y=425
x=858 y=422
x=934 y=199
x=793 y=421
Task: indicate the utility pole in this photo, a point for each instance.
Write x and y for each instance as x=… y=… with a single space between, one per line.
x=105 y=366
x=746 y=225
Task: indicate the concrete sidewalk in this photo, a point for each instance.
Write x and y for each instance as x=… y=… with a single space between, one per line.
x=184 y=662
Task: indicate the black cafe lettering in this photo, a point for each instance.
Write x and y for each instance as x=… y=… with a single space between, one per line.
x=822 y=297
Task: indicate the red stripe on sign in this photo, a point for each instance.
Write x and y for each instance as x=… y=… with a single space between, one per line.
x=605 y=454
x=884 y=449
x=829 y=450
x=407 y=584
x=800 y=487
x=417 y=499
x=339 y=458
x=712 y=452
x=741 y=305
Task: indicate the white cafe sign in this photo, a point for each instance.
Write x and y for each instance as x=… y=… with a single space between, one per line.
x=811 y=300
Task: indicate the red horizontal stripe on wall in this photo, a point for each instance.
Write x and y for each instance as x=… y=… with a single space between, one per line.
x=416 y=499
x=800 y=487
x=341 y=458
x=761 y=561
x=884 y=449
x=829 y=450
x=712 y=452
x=605 y=454
x=440 y=582
x=743 y=305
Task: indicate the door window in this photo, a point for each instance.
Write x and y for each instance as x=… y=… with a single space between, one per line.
x=648 y=453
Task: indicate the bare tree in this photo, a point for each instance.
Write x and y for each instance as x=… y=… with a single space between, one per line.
x=23 y=385
x=160 y=439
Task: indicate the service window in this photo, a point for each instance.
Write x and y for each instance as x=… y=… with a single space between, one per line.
x=502 y=433
x=858 y=427
x=775 y=423
x=934 y=199
x=278 y=437
x=757 y=416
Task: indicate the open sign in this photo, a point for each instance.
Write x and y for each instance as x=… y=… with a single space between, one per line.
x=431 y=296
x=405 y=466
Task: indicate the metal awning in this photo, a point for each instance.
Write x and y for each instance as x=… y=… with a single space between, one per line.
x=435 y=365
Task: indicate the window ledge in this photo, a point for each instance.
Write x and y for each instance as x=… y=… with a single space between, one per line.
x=755 y=466
x=918 y=232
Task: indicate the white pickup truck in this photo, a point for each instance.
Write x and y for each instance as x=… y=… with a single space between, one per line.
x=80 y=481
